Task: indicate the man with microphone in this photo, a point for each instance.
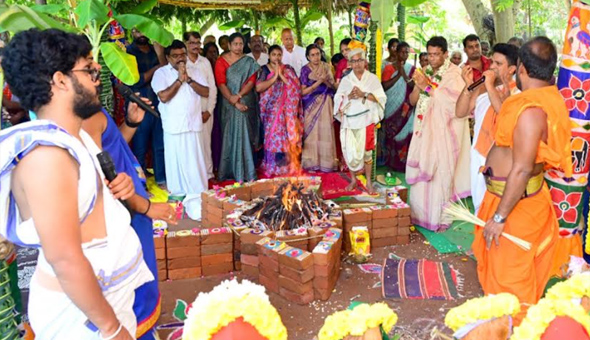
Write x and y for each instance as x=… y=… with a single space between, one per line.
x=484 y=102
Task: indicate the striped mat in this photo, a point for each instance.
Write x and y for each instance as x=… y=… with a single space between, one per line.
x=419 y=279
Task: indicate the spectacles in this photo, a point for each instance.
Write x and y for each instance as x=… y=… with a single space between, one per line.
x=176 y=56
x=356 y=61
x=93 y=72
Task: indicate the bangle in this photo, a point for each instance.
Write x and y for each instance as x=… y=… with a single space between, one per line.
x=148 y=208
x=428 y=89
x=239 y=95
x=189 y=81
x=130 y=124
x=112 y=336
x=178 y=80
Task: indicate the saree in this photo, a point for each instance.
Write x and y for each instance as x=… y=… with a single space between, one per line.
x=398 y=124
x=280 y=112
x=319 y=145
x=239 y=130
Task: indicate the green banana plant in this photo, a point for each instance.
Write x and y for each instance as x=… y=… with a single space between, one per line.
x=91 y=18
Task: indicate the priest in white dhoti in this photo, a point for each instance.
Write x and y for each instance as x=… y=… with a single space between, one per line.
x=180 y=90
x=359 y=105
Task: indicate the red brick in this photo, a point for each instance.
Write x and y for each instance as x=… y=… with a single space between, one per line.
x=403 y=239
x=403 y=231
x=237 y=266
x=162 y=264
x=162 y=275
x=325 y=252
x=325 y=270
x=216 y=203
x=184 y=273
x=386 y=223
x=222 y=268
x=383 y=211
x=213 y=249
x=367 y=224
x=205 y=222
x=250 y=260
x=210 y=260
x=295 y=258
x=250 y=271
x=384 y=232
x=357 y=215
x=214 y=221
x=160 y=253
x=296 y=298
x=297 y=275
x=183 y=238
x=323 y=294
x=268 y=262
x=251 y=235
x=315 y=235
x=329 y=282
x=185 y=224
x=206 y=196
x=270 y=248
x=271 y=285
x=159 y=242
x=294 y=286
x=383 y=242
x=216 y=236
x=404 y=221
x=242 y=193
x=173 y=253
x=185 y=262
x=404 y=211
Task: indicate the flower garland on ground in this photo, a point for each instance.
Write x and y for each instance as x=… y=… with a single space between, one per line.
x=228 y=301
x=575 y=287
x=434 y=80
x=357 y=321
x=484 y=308
x=542 y=314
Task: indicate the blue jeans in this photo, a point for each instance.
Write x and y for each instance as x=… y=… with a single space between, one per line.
x=150 y=130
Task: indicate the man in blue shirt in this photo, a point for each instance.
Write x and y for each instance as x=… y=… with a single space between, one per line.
x=150 y=128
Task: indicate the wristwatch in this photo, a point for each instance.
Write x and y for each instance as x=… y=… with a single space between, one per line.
x=498 y=218
x=190 y=81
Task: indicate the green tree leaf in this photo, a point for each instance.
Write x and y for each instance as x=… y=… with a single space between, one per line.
x=279 y=22
x=231 y=25
x=89 y=10
x=144 y=7
x=52 y=9
x=416 y=19
x=123 y=65
x=382 y=12
x=412 y=3
x=311 y=15
x=147 y=26
x=18 y=18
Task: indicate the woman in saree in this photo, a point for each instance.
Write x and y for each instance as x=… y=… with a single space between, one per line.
x=235 y=74
x=317 y=85
x=397 y=125
x=280 y=112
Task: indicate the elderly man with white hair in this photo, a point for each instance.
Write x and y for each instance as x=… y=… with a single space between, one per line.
x=358 y=105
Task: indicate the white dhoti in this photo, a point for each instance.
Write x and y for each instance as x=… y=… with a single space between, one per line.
x=186 y=170
x=478 y=184
x=353 y=143
x=207 y=130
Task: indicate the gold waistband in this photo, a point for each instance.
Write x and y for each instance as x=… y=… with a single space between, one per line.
x=497 y=185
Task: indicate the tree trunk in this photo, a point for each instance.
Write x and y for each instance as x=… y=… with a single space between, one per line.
x=256 y=21
x=401 y=18
x=503 y=22
x=297 y=22
x=477 y=12
x=207 y=25
x=352 y=8
x=41 y=2
x=183 y=24
x=330 y=28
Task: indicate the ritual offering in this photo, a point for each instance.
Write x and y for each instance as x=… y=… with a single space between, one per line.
x=361 y=244
x=234 y=310
x=364 y=321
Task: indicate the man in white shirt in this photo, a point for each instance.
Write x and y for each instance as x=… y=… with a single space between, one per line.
x=179 y=90
x=257 y=46
x=202 y=66
x=293 y=55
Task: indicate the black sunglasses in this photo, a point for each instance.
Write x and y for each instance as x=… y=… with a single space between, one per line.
x=93 y=72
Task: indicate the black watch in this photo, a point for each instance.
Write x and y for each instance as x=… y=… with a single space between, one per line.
x=189 y=81
x=130 y=124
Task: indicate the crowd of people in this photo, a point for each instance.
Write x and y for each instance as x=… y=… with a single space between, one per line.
x=280 y=110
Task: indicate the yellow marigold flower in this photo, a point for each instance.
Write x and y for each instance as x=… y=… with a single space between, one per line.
x=485 y=308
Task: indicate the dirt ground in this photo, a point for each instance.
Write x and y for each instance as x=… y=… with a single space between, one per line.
x=416 y=317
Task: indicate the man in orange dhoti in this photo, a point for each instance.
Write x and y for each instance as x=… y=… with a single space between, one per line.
x=533 y=133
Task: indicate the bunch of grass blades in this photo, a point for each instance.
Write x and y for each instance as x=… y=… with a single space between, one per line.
x=458 y=211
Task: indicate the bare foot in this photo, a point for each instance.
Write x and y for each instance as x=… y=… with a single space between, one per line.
x=370 y=189
x=351 y=186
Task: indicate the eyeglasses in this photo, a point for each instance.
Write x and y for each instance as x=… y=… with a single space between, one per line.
x=356 y=61
x=176 y=56
x=93 y=72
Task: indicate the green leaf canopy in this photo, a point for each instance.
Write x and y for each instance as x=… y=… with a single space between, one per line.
x=146 y=26
x=123 y=65
x=89 y=10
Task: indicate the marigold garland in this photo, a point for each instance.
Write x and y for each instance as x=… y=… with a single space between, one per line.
x=575 y=287
x=357 y=321
x=542 y=314
x=484 y=308
x=228 y=301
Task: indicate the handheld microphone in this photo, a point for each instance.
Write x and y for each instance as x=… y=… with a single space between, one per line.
x=110 y=172
x=129 y=95
x=475 y=85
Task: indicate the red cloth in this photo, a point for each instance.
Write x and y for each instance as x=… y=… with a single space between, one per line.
x=340 y=68
x=563 y=327
x=370 y=139
x=221 y=66
x=388 y=72
x=486 y=63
